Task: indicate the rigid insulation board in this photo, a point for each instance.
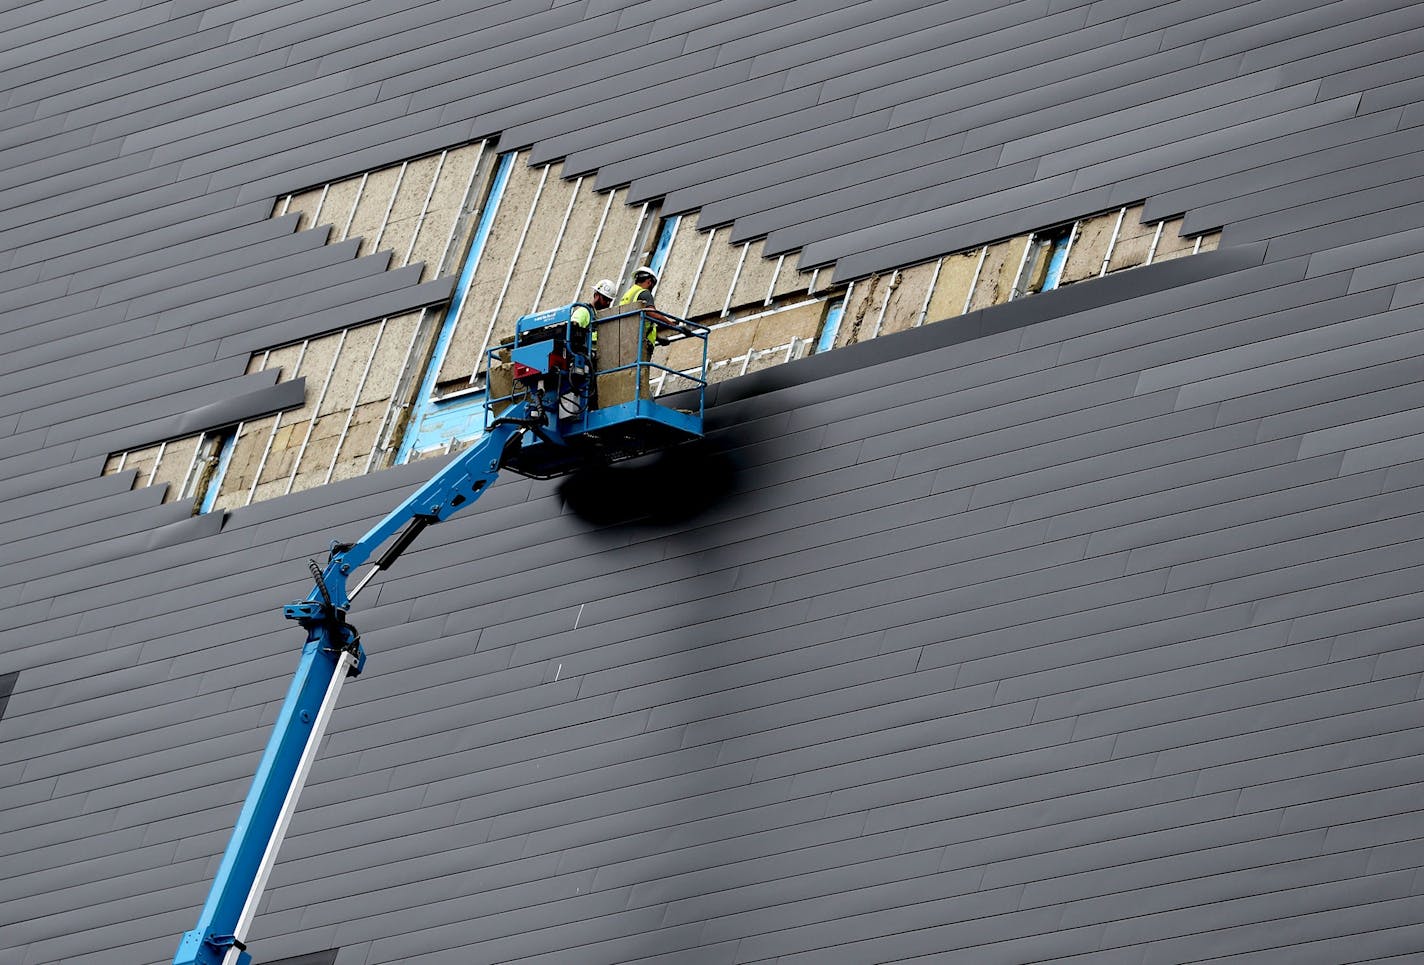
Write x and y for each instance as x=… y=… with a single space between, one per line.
x=1082 y=628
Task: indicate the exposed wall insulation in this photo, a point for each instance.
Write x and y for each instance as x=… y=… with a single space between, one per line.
x=680 y=270
x=714 y=281
x=1171 y=244
x=378 y=405
x=568 y=279
x=754 y=279
x=997 y=274
x=1134 y=241
x=790 y=280
x=1090 y=246
x=410 y=209
x=905 y=304
x=617 y=244
x=952 y=287
x=547 y=236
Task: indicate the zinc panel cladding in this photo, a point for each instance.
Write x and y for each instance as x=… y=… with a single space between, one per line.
x=1080 y=628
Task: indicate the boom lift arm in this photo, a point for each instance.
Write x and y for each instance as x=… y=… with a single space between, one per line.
x=331 y=654
x=548 y=371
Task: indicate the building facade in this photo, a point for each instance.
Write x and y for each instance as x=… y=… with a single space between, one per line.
x=1047 y=589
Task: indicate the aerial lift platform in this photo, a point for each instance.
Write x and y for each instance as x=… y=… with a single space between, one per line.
x=553 y=407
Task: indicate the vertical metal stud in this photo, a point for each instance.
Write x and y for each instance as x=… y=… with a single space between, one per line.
x=1017 y=289
x=390 y=206
x=1112 y=242
x=929 y=293
x=351 y=215
x=1197 y=246
x=383 y=431
x=192 y=465
x=420 y=221
x=776 y=274
x=1156 y=237
x=697 y=276
x=276 y=424
x=320 y=202
x=356 y=401
x=736 y=276
x=504 y=288
x=974 y=282
x=885 y=302
x=316 y=409
x=464 y=200
x=628 y=266
x=1072 y=240
x=597 y=236
x=563 y=226
x=153 y=471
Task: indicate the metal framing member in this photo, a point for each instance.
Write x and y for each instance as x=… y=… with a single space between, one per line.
x=316 y=409
x=1016 y=290
x=885 y=302
x=747 y=362
x=225 y=451
x=382 y=441
x=320 y=202
x=390 y=206
x=632 y=244
x=736 y=276
x=464 y=200
x=563 y=226
x=1197 y=246
x=831 y=323
x=508 y=275
x=755 y=315
x=356 y=401
x=1156 y=237
x=659 y=263
x=929 y=293
x=811 y=286
x=123 y=458
x=974 y=282
x=420 y=221
x=597 y=236
x=153 y=470
x=276 y=424
x=791 y=349
x=1112 y=242
x=697 y=275
x=286 y=203
x=775 y=275
x=192 y=464
x=1072 y=240
x=351 y=215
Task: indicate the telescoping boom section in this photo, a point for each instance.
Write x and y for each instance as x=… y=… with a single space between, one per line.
x=561 y=397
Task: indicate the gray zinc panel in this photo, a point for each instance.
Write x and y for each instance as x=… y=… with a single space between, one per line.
x=1138 y=319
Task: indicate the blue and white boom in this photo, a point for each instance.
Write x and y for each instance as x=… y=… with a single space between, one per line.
x=548 y=423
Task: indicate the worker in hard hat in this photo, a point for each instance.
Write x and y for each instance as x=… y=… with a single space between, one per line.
x=640 y=295
x=600 y=298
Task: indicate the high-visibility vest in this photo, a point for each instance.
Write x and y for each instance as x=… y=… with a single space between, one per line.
x=629 y=297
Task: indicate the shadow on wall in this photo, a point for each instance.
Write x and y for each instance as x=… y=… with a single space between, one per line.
x=669 y=487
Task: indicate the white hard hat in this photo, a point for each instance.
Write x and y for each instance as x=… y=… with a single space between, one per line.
x=645 y=270
x=606 y=288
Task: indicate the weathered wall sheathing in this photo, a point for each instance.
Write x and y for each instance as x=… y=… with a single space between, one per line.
x=1079 y=628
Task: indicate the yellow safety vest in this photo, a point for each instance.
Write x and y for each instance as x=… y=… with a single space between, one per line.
x=630 y=296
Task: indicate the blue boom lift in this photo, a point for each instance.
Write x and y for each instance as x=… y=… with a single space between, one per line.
x=548 y=412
